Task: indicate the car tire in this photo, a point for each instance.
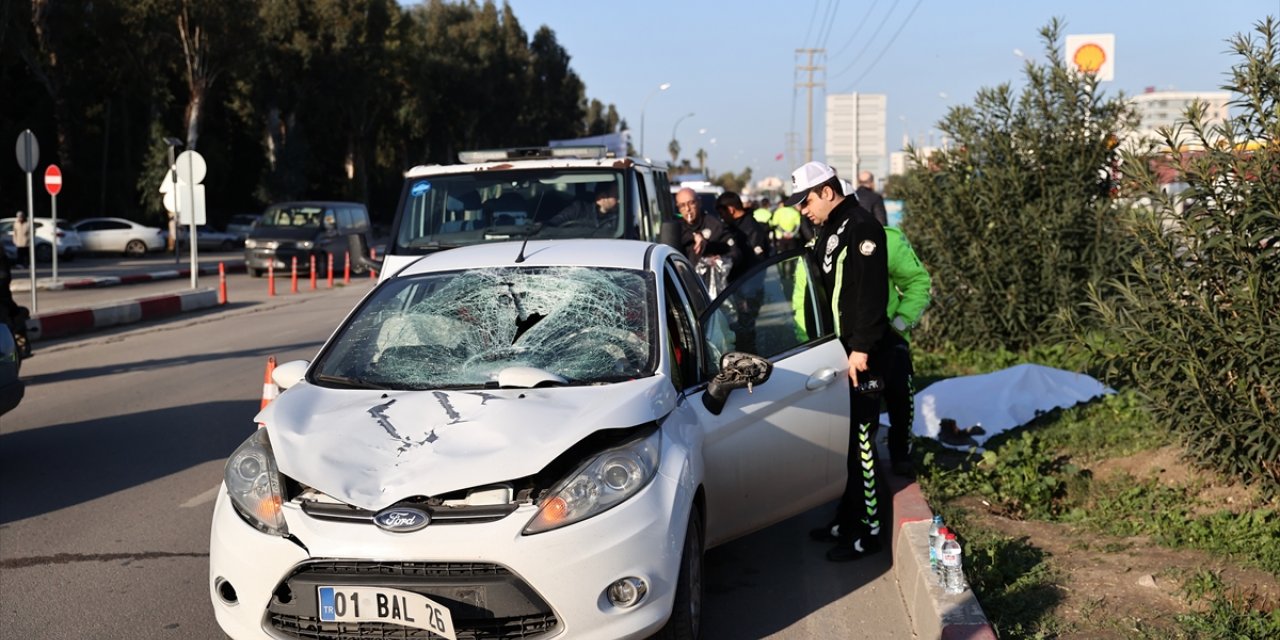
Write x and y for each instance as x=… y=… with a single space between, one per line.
x=686 y=612
x=135 y=249
x=254 y=273
x=44 y=253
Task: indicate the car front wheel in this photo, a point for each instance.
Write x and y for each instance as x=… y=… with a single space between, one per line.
x=135 y=249
x=686 y=612
x=44 y=253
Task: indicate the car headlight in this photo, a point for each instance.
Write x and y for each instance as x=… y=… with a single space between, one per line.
x=250 y=243
x=603 y=482
x=254 y=484
x=306 y=244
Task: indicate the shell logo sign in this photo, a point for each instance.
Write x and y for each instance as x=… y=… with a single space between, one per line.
x=1093 y=53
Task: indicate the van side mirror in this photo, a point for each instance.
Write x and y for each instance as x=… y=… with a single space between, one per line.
x=359 y=249
x=737 y=370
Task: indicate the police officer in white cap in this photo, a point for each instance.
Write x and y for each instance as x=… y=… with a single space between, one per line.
x=852 y=265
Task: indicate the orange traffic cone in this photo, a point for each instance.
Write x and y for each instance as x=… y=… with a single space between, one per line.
x=269 y=388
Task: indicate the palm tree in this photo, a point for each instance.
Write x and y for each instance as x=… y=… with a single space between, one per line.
x=674 y=149
x=702 y=160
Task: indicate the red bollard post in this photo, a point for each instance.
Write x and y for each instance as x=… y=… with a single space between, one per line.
x=329 y=271
x=222 y=283
x=271 y=280
x=373 y=273
x=293 y=275
x=313 y=272
x=346 y=268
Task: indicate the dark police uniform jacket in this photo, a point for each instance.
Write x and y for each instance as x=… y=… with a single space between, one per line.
x=852 y=262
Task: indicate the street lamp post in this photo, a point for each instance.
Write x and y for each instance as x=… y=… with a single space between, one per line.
x=662 y=87
x=173 y=172
x=676 y=126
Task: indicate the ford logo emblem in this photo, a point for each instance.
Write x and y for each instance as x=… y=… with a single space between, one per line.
x=402 y=519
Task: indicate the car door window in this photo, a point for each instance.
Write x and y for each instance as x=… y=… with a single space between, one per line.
x=682 y=339
x=770 y=311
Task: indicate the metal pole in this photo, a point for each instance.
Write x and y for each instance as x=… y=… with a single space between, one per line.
x=31 y=241
x=173 y=173
x=191 y=233
x=54 y=204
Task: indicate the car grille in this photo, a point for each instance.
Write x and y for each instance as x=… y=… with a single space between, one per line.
x=486 y=600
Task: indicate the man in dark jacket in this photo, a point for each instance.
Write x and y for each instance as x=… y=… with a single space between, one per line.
x=707 y=243
x=868 y=198
x=850 y=253
x=749 y=235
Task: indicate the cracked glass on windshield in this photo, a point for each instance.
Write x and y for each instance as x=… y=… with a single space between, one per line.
x=461 y=329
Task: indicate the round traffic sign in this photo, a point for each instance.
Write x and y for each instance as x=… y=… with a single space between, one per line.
x=53 y=179
x=28 y=151
x=190 y=166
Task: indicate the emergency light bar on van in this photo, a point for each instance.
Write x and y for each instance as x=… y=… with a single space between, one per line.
x=592 y=152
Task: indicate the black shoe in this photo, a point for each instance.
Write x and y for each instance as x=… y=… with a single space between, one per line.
x=904 y=468
x=854 y=549
x=824 y=534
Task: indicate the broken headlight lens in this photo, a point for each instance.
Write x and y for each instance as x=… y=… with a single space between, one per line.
x=605 y=481
x=254 y=484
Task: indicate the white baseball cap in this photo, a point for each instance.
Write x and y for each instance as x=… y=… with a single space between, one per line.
x=808 y=176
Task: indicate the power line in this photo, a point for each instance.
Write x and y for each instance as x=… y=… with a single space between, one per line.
x=858 y=57
x=812 y=15
x=887 y=45
x=854 y=35
x=833 y=9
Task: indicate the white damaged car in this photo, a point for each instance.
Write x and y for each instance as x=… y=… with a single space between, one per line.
x=529 y=441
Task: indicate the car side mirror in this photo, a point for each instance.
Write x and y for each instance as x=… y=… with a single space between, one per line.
x=359 y=249
x=288 y=374
x=737 y=370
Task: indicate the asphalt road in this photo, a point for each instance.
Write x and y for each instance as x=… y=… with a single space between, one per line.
x=109 y=467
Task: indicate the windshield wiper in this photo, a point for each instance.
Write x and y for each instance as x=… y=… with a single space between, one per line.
x=344 y=381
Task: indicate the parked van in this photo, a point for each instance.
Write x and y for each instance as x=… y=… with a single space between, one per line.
x=303 y=229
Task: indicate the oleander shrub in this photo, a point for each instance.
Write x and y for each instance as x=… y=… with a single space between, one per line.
x=1194 y=319
x=1013 y=217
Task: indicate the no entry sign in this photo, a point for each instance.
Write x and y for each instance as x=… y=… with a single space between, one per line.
x=53 y=179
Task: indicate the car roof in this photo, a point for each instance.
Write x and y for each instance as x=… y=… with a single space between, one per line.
x=518 y=165
x=601 y=253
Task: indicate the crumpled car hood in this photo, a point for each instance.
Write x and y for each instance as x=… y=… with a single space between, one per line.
x=371 y=449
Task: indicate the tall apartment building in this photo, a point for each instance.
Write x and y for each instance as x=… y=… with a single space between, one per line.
x=1158 y=109
x=855 y=134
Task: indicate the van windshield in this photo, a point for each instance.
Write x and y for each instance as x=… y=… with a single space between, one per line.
x=301 y=216
x=462 y=209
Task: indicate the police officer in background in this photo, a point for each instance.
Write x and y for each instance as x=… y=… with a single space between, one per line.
x=749 y=235
x=851 y=257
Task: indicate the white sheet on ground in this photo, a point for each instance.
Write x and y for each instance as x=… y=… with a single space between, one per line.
x=1000 y=400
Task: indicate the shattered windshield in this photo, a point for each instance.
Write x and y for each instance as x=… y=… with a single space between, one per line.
x=462 y=329
x=469 y=208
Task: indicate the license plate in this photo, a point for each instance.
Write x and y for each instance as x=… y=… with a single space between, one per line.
x=377 y=604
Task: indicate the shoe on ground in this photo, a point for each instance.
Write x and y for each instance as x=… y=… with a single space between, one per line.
x=854 y=549
x=827 y=533
x=904 y=468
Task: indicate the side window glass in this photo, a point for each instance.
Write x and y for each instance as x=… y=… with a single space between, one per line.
x=642 y=207
x=694 y=286
x=666 y=203
x=682 y=343
x=770 y=311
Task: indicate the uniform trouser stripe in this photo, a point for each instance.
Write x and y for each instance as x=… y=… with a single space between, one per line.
x=866 y=446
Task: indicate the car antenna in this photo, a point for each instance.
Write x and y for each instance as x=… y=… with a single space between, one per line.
x=530 y=231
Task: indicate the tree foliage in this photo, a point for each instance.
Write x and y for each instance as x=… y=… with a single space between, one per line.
x=1013 y=217
x=284 y=98
x=1194 y=320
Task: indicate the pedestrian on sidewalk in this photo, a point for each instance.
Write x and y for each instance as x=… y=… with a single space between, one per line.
x=853 y=268
x=22 y=237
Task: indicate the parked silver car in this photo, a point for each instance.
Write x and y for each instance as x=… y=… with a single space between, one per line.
x=118 y=235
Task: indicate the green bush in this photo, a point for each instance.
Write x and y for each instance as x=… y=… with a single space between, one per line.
x=1013 y=217
x=1195 y=317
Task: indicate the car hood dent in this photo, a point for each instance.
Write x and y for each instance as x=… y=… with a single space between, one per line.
x=371 y=449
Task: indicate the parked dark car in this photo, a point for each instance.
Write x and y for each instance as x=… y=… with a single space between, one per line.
x=303 y=229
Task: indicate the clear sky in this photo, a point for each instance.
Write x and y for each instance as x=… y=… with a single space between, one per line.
x=734 y=64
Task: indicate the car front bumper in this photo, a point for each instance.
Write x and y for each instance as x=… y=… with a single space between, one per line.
x=565 y=571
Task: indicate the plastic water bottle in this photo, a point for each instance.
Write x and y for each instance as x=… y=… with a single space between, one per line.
x=933 y=542
x=952 y=565
x=935 y=550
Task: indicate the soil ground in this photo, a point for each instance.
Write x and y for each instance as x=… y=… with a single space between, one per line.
x=1111 y=586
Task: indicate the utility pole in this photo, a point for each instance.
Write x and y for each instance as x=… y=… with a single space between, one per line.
x=810 y=84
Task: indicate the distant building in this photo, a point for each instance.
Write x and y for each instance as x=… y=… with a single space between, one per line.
x=1159 y=109
x=900 y=161
x=856 y=131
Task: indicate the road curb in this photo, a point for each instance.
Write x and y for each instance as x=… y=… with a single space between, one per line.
x=66 y=322
x=934 y=613
x=22 y=285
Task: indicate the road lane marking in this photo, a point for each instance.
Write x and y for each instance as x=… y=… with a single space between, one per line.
x=207 y=496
